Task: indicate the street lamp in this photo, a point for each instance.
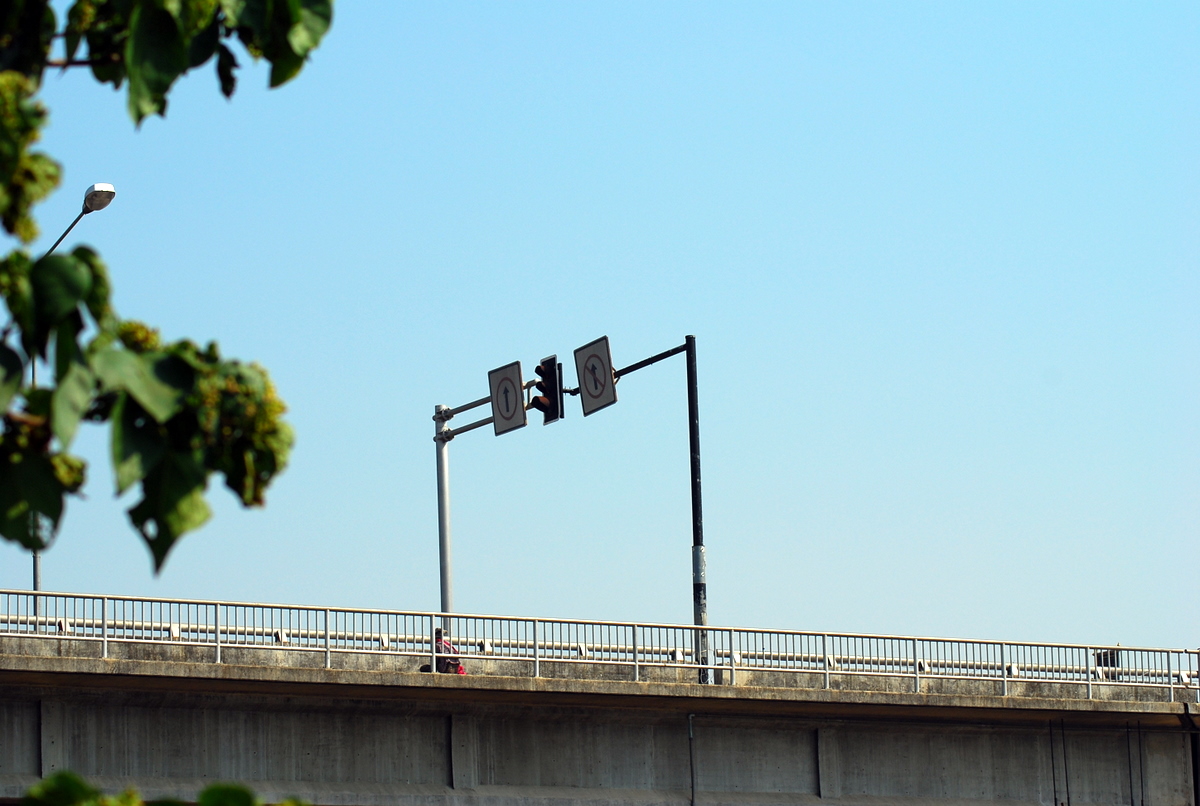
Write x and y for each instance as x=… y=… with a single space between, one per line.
x=97 y=197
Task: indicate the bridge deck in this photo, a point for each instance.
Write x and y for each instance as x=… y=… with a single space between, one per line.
x=338 y=717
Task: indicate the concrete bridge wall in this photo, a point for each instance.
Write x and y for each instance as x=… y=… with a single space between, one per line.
x=154 y=719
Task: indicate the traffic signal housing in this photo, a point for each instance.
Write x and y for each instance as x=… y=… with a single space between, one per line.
x=549 y=401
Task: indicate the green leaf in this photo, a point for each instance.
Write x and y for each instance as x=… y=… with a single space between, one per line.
x=314 y=20
x=60 y=283
x=172 y=7
x=16 y=523
x=285 y=62
x=66 y=348
x=155 y=56
x=227 y=795
x=60 y=789
x=71 y=399
x=79 y=18
x=285 y=65
x=138 y=443
x=195 y=16
x=27 y=487
x=204 y=44
x=103 y=340
x=18 y=290
x=226 y=64
x=12 y=371
x=37 y=402
x=171 y=368
x=250 y=15
x=172 y=502
x=107 y=39
x=26 y=29
x=231 y=9
x=99 y=296
x=154 y=379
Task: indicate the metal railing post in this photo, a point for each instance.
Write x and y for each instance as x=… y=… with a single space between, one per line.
x=217 y=628
x=636 y=670
x=1003 y=672
x=432 y=647
x=537 y=669
x=1170 y=678
x=916 y=668
x=732 y=665
x=104 y=627
x=1087 y=661
x=825 y=657
x=328 y=660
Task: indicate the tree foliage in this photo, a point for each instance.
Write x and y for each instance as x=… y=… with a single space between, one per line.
x=177 y=413
x=68 y=789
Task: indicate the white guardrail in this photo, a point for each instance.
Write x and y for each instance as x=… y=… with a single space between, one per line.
x=533 y=641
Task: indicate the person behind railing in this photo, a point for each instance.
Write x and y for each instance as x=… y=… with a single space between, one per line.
x=448 y=661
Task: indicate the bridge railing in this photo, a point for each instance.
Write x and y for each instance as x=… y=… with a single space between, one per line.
x=528 y=643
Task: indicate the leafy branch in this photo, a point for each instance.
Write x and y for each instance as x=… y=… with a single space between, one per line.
x=65 y=63
x=68 y=789
x=177 y=413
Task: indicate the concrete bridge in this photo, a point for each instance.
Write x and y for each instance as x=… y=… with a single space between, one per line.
x=329 y=705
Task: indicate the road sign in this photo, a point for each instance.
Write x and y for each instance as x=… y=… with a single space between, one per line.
x=594 y=369
x=508 y=398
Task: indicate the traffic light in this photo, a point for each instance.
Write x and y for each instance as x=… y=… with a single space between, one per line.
x=549 y=401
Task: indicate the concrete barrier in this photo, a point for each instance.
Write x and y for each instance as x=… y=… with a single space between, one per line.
x=371 y=730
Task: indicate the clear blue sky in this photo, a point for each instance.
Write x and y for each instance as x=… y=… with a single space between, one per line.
x=941 y=261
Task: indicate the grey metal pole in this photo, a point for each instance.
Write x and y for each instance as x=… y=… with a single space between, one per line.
x=442 y=437
x=699 y=576
x=33 y=365
x=37 y=574
x=33 y=523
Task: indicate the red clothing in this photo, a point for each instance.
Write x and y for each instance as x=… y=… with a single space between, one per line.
x=447 y=657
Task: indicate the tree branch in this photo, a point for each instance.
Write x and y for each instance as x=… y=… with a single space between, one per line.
x=63 y=63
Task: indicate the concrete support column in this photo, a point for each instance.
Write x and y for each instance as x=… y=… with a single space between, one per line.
x=52 y=730
x=829 y=764
x=464 y=752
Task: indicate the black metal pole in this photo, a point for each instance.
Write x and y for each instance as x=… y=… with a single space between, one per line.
x=699 y=581
x=1053 y=766
x=645 y=362
x=1062 y=735
x=68 y=229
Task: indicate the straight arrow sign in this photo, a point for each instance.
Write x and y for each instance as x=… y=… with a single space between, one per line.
x=508 y=398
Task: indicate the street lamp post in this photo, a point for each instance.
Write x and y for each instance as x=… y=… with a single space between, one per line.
x=97 y=197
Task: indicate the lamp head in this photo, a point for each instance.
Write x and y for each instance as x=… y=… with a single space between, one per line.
x=98 y=196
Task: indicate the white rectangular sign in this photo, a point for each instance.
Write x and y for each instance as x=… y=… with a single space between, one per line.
x=594 y=369
x=508 y=398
